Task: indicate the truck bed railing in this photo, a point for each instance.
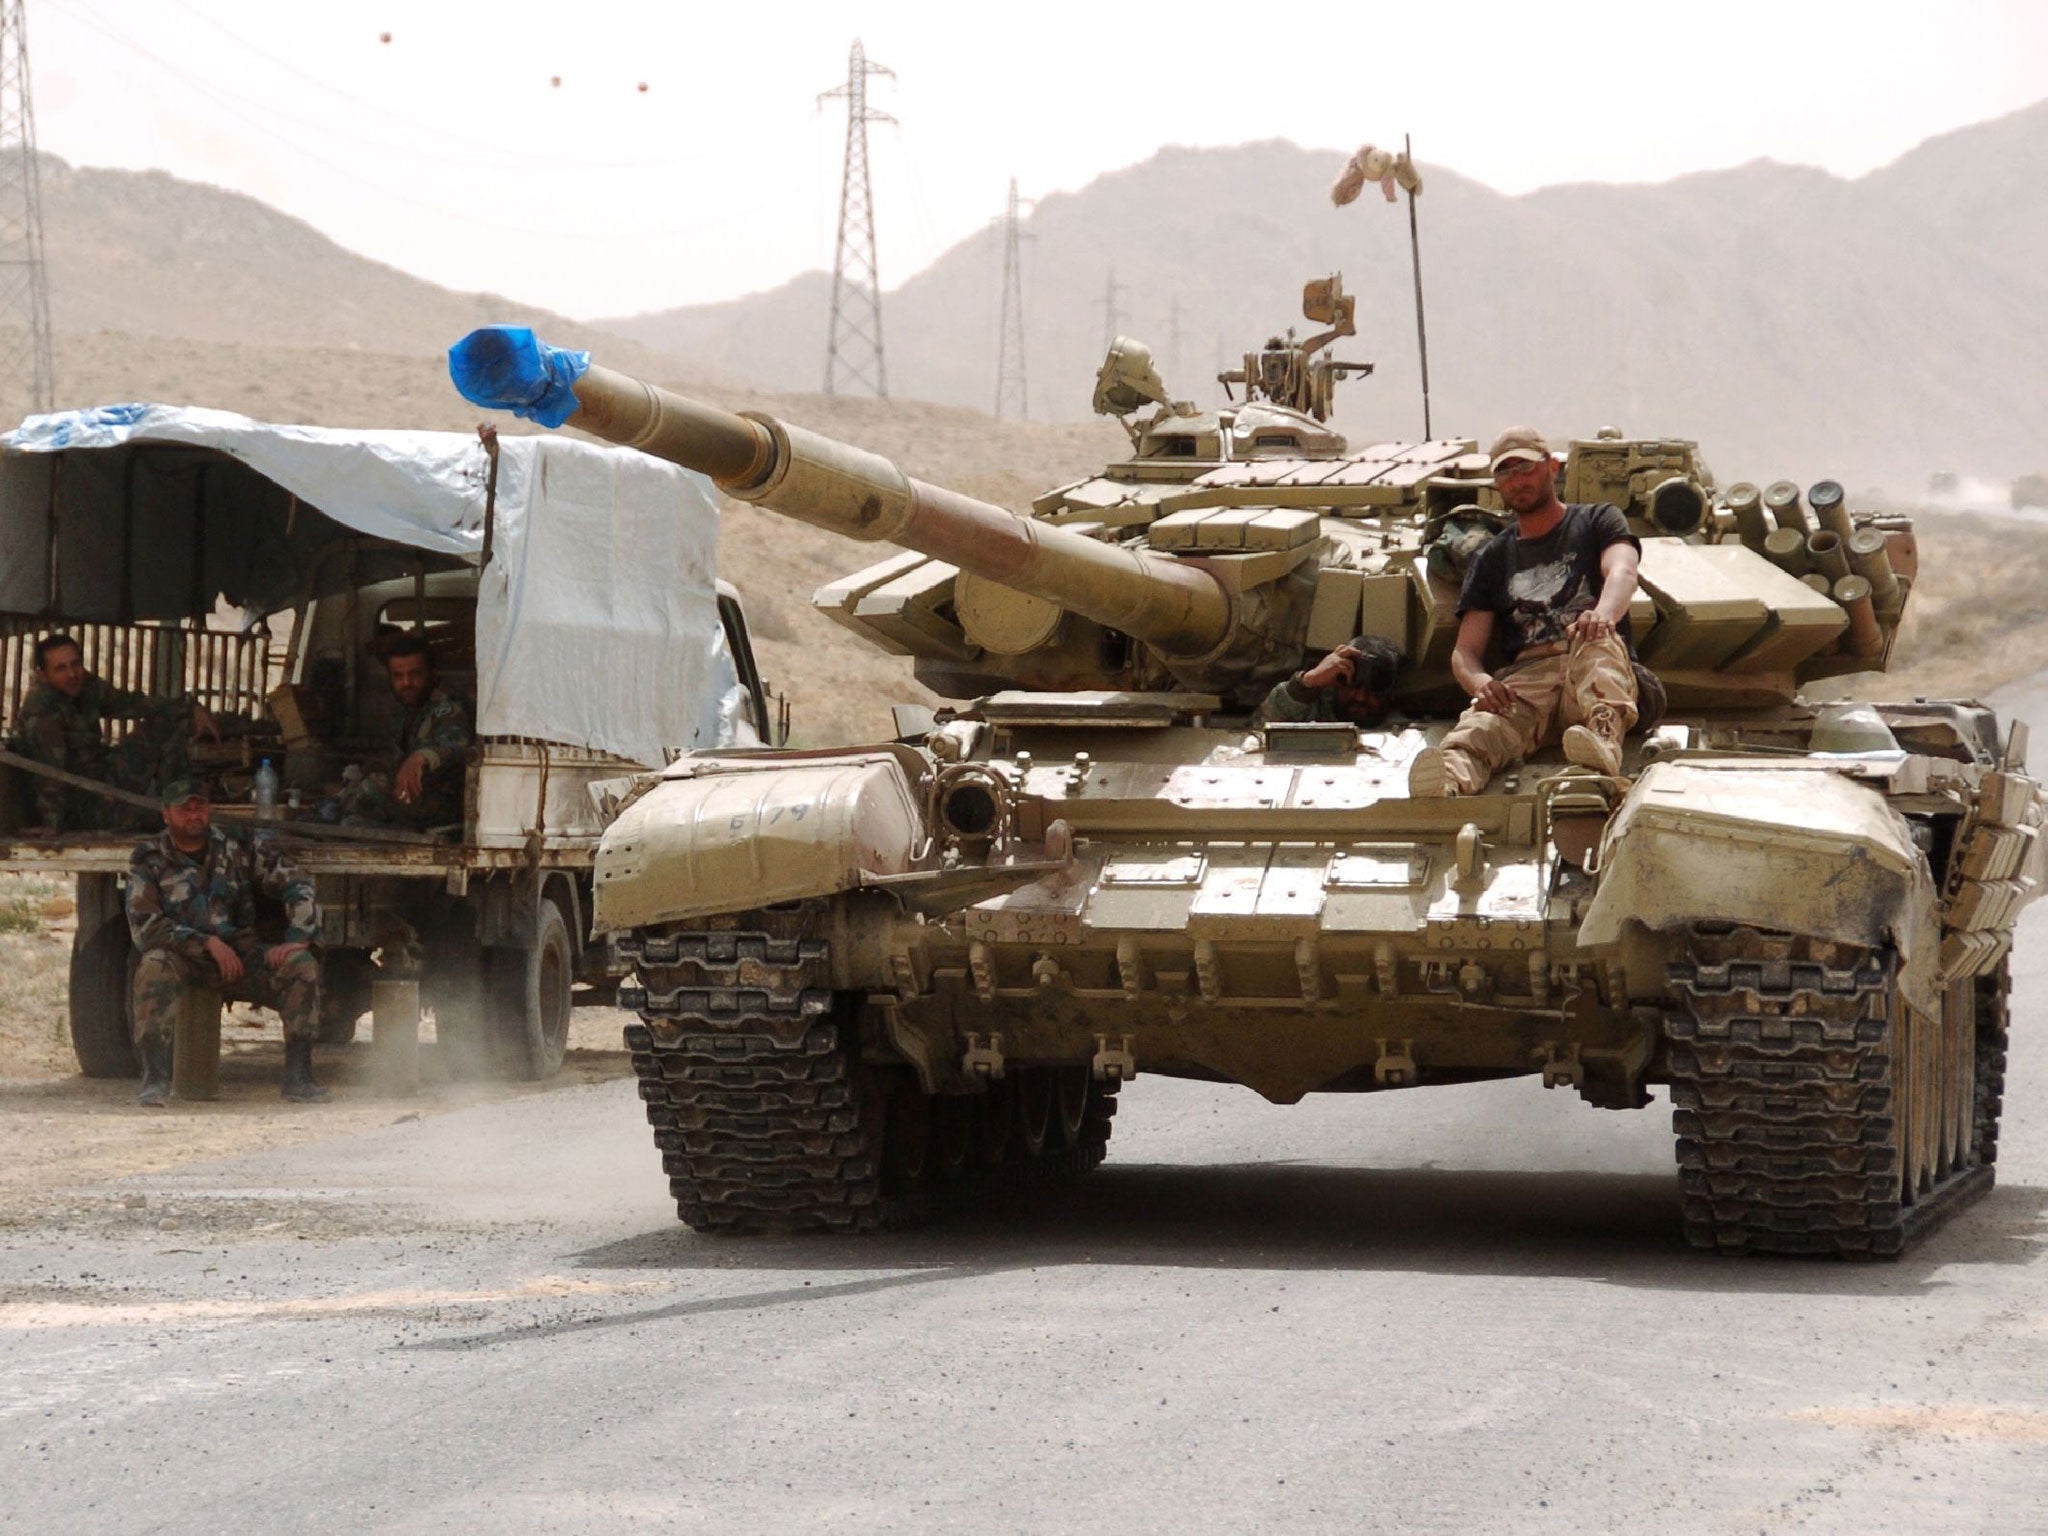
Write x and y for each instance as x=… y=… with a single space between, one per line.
x=229 y=673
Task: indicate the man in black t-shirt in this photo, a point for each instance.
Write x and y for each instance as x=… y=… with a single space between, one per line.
x=1556 y=588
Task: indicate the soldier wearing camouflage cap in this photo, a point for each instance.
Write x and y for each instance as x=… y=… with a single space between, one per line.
x=1555 y=590
x=192 y=912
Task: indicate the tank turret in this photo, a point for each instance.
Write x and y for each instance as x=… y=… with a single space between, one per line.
x=1236 y=541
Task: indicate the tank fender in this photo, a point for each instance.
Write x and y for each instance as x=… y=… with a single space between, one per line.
x=723 y=834
x=1801 y=850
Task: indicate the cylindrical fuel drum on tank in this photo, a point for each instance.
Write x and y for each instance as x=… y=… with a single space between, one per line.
x=1786 y=549
x=1746 y=504
x=1830 y=507
x=1781 y=500
x=1824 y=550
x=1866 y=635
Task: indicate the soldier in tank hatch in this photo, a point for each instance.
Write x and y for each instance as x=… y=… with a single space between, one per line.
x=1555 y=588
x=62 y=725
x=1353 y=682
x=192 y=913
x=419 y=783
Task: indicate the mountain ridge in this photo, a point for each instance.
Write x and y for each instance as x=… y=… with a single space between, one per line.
x=1795 y=321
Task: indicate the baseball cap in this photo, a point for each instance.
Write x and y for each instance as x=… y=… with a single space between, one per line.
x=1524 y=443
x=178 y=791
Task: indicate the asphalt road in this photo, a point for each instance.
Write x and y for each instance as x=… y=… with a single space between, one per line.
x=1461 y=1310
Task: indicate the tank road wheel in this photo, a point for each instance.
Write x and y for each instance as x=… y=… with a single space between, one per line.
x=909 y=1137
x=995 y=1122
x=1034 y=1111
x=1085 y=1135
x=102 y=968
x=953 y=1140
x=1070 y=1094
x=1816 y=1112
x=529 y=992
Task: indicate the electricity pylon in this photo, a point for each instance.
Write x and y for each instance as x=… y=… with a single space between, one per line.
x=853 y=344
x=1112 y=310
x=1010 y=386
x=27 y=376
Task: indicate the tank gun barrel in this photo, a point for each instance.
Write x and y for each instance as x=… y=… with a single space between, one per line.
x=1171 y=604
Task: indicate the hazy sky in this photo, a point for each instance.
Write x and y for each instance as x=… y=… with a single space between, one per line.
x=449 y=150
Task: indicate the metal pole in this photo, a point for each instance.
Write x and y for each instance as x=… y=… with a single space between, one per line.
x=1415 y=261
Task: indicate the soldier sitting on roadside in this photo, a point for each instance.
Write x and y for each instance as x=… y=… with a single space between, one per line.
x=1352 y=683
x=419 y=783
x=60 y=724
x=192 y=912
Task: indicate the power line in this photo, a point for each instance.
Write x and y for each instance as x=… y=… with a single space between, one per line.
x=853 y=340
x=1010 y=385
x=27 y=372
x=1112 y=310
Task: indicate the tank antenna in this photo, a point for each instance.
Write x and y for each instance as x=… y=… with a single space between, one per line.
x=1413 y=184
x=853 y=341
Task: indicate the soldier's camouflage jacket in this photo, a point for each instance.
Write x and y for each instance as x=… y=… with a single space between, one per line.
x=176 y=901
x=65 y=732
x=437 y=729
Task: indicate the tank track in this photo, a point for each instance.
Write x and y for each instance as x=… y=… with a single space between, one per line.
x=1782 y=1095
x=770 y=1117
x=1993 y=995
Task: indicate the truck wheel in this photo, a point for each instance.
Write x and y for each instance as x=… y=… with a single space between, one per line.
x=102 y=964
x=344 y=995
x=529 y=997
x=453 y=986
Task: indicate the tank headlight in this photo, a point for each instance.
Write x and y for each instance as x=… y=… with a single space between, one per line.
x=969 y=809
x=1678 y=506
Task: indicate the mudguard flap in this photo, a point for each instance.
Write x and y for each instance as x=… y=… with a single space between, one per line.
x=1801 y=850
x=727 y=835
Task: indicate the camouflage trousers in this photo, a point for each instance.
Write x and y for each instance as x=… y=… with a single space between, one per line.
x=1588 y=683
x=371 y=801
x=163 y=978
x=156 y=750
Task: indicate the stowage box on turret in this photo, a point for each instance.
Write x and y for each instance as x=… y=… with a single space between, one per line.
x=875 y=980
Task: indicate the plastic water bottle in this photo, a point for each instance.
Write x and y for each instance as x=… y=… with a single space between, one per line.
x=266 y=792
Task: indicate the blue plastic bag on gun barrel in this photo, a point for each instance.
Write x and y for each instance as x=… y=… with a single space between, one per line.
x=508 y=368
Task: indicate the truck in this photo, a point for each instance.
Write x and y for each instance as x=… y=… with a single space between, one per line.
x=255 y=568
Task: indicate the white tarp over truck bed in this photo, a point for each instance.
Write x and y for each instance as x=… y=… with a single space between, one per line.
x=597 y=619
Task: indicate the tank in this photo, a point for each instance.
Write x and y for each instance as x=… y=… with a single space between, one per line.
x=877 y=981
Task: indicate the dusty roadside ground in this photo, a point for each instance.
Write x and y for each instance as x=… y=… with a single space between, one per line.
x=62 y=1136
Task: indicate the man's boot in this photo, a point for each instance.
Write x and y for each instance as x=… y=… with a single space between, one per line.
x=1597 y=743
x=299 y=1086
x=1432 y=776
x=155 y=1051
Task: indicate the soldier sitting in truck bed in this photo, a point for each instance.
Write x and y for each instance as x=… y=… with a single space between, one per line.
x=60 y=725
x=418 y=784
